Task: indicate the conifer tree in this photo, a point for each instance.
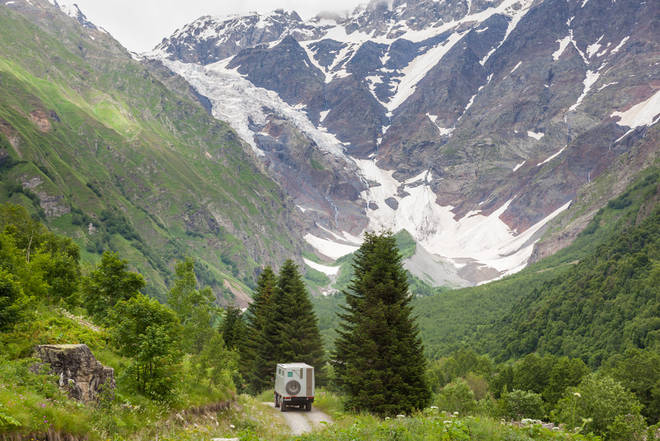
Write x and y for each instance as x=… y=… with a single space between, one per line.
x=379 y=360
x=233 y=328
x=286 y=324
x=300 y=338
x=256 y=354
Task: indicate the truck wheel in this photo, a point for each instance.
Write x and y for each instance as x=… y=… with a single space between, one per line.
x=283 y=406
x=277 y=401
x=308 y=406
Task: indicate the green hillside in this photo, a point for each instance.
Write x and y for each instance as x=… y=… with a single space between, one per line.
x=121 y=157
x=593 y=299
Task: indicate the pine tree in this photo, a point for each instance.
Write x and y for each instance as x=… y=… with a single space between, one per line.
x=379 y=360
x=256 y=353
x=233 y=328
x=300 y=338
x=286 y=326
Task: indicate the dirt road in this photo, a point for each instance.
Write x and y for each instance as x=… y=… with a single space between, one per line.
x=301 y=421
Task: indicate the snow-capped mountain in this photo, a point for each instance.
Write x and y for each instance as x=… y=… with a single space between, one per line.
x=471 y=124
x=73 y=11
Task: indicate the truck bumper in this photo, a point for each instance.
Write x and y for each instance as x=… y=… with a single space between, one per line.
x=298 y=400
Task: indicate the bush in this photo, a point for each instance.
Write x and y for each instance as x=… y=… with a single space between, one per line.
x=456 y=397
x=519 y=404
x=600 y=404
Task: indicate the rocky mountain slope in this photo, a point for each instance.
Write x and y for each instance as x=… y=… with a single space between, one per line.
x=481 y=127
x=123 y=155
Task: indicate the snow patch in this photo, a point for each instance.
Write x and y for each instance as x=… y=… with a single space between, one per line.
x=563 y=44
x=589 y=81
x=519 y=165
x=535 y=135
x=515 y=68
x=550 y=158
x=417 y=69
x=641 y=114
x=619 y=46
x=330 y=248
x=607 y=84
x=593 y=48
x=443 y=131
x=325 y=269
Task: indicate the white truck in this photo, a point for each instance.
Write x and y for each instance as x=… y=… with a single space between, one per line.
x=294 y=386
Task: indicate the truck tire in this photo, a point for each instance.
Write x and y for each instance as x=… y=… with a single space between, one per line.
x=293 y=387
x=308 y=406
x=277 y=401
x=282 y=406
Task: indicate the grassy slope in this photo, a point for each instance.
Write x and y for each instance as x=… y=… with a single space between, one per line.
x=36 y=404
x=120 y=140
x=476 y=316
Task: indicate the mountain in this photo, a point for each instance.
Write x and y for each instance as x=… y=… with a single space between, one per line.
x=486 y=129
x=123 y=155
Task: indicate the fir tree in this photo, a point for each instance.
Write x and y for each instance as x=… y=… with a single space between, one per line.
x=233 y=328
x=379 y=360
x=286 y=326
x=256 y=352
x=300 y=338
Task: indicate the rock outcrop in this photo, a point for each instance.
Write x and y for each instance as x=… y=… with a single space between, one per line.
x=81 y=375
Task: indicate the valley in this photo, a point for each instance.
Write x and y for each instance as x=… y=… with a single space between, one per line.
x=449 y=208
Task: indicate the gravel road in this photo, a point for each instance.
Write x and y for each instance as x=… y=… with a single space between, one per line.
x=301 y=421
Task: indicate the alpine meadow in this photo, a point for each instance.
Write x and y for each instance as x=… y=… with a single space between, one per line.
x=411 y=220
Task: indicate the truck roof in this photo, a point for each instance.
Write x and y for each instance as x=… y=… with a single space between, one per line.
x=294 y=365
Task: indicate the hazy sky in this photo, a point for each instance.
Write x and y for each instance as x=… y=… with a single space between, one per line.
x=141 y=24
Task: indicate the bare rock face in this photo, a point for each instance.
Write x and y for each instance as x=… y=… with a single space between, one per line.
x=80 y=373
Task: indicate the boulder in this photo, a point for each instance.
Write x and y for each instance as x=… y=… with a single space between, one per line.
x=81 y=375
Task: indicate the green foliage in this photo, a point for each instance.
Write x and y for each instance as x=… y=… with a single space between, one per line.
x=519 y=404
x=194 y=307
x=458 y=365
x=639 y=371
x=32 y=400
x=148 y=332
x=432 y=425
x=293 y=323
x=257 y=352
x=13 y=302
x=601 y=405
x=456 y=396
x=379 y=359
x=108 y=284
x=405 y=243
x=233 y=328
x=217 y=362
x=317 y=278
x=585 y=312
